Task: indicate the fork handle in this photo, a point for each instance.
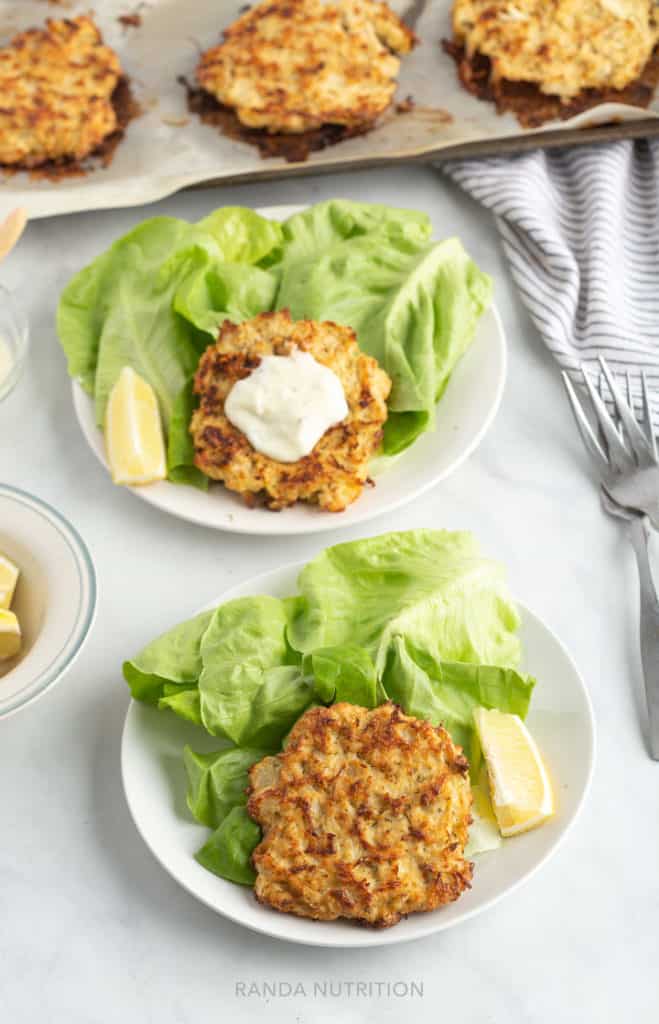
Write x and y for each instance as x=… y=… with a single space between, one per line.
x=640 y=532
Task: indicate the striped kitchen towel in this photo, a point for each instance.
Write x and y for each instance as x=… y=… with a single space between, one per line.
x=580 y=229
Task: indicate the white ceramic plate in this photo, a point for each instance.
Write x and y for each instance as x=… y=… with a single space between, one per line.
x=561 y=720
x=464 y=415
x=55 y=599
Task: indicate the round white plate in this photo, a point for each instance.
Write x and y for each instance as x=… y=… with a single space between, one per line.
x=464 y=415
x=561 y=720
x=55 y=598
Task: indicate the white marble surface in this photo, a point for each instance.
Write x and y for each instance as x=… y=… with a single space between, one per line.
x=92 y=931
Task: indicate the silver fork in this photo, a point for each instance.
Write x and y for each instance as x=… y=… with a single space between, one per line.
x=626 y=456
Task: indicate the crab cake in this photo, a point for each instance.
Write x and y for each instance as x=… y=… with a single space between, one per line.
x=56 y=86
x=365 y=815
x=292 y=66
x=579 y=53
x=334 y=473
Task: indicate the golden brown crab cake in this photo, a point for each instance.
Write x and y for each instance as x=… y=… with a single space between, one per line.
x=365 y=815
x=291 y=66
x=522 y=52
x=56 y=86
x=334 y=473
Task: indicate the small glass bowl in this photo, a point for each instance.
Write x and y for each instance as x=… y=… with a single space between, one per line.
x=14 y=338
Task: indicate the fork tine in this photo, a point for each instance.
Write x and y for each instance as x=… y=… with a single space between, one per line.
x=602 y=390
x=601 y=385
x=620 y=458
x=630 y=397
x=647 y=416
x=634 y=434
x=587 y=436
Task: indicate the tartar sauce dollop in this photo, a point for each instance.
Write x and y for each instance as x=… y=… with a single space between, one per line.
x=286 y=404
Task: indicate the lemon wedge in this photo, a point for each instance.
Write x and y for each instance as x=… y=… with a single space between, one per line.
x=521 y=792
x=133 y=432
x=10 y=635
x=8 y=578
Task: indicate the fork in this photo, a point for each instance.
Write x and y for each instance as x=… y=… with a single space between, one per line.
x=626 y=456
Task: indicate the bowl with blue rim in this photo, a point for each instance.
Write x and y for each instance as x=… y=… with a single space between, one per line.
x=54 y=600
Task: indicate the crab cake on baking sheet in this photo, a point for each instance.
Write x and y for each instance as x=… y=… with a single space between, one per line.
x=334 y=473
x=546 y=59
x=56 y=93
x=292 y=66
x=365 y=815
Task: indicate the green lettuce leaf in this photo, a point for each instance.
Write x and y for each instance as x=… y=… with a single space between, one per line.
x=446 y=693
x=209 y=295
x=174 y=658
x=250 y=693
x=242 y=235
x=343 y=673
x=319 y=228
x=413 y=304
x=142 y=330
x=433 y=587
x=180 y=449
x=120 y=310
x=185 y=703
x=217 y=782
x=89 y=298
x=401 y=430
x=117 y=311
x=81 y=313
x=228 y=852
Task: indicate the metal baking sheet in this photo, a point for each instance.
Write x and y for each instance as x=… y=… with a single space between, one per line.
x=167 y=148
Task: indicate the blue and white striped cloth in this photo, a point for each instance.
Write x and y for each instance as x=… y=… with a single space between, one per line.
x=580 y=229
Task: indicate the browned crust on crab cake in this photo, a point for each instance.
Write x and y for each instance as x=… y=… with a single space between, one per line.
x=534 y=108
x=563 y=46
x=365 y=815
x=551 y=59
x=334 y=473
x=63 y=97
x=292 y=66
x=294 y=148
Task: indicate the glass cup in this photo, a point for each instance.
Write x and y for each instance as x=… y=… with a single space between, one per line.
x=14 y=341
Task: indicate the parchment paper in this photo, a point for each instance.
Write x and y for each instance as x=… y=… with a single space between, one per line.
x=167 y=148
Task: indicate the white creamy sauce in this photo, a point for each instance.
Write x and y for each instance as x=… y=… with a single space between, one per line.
x=286 y=404
x=6 y=360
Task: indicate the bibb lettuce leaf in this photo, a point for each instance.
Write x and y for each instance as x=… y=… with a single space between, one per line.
x=446 y=693
x=432 y=586
x=217 y=782
x=228 y=852
x=413 y=304
x=250 y=692
x=172 y=658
